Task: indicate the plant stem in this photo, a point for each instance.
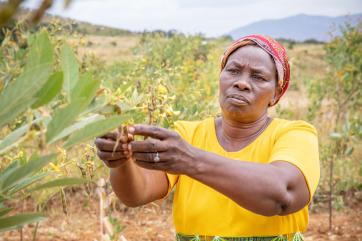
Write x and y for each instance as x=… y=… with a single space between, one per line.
x=330 y=192
x=35 y=231
x=21 y=233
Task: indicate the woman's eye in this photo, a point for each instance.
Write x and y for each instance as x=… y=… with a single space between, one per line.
x=258 y=77
x=233 y=71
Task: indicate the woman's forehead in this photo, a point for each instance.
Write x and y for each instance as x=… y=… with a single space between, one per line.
x=253 y=56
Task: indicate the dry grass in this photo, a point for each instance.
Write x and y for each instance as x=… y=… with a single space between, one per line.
x=108 y=48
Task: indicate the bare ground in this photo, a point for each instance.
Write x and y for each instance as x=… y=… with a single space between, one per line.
x=153 y=222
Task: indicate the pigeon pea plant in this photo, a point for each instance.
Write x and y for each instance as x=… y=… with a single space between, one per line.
x=336 y=109
x=46 y=106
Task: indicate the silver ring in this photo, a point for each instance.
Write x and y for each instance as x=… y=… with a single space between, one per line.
x=156 y=158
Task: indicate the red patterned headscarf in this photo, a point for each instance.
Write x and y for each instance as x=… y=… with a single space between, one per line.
x=272 y=47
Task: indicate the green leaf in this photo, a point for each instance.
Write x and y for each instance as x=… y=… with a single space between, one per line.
x=97 y=104
x=86 y=87
x=16 y=136
x=17 y=109
x=16 y=221
x=4 y=211
x=27 y=182
x=19 y=95
x=84 y=92
x=13 y=138
x=24 y=171
x=62 y=182
x=41 y=51
x=7 y=171
x=69 y=130
x=95 y=129
x=70 y=69
x=63 y=118
x=49 y=90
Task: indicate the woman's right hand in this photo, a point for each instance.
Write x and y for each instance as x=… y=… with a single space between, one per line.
x=113 y=158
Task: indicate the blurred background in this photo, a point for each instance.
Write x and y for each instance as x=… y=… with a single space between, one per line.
x=73 y=70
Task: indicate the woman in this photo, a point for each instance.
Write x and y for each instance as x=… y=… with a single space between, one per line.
x=242 y=176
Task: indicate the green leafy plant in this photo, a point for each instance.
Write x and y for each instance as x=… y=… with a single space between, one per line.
x=37 y=90
x=337 y=100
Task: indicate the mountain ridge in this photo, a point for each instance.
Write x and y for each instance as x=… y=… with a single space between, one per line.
x=300 y=27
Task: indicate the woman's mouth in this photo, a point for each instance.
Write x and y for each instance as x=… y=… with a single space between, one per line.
x=238 y=99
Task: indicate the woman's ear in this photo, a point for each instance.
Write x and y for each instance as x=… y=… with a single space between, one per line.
x=276 y=97
x=272 y=101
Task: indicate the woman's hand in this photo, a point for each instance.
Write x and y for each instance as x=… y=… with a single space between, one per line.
x=133 y=185
x=165 y=150
x=112 y=152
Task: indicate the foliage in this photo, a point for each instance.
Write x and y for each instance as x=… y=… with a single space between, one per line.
x=337 y=100
x=32 y=105
x=338 y=97
x=172 y=78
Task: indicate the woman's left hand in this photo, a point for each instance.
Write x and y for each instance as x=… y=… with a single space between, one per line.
x=165 y=150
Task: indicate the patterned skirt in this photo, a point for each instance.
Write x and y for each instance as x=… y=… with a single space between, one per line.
x=290 y=237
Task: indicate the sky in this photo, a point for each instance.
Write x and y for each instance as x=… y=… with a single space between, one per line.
x=212 y=18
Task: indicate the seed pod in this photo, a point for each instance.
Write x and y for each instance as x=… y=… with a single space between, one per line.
x=64 y=201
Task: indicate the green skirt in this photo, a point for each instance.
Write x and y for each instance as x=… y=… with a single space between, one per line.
x=290 y=237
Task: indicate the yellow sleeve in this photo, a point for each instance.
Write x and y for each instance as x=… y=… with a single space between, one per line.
x=297 y=143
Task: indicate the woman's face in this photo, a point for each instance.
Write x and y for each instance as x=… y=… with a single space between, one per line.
x=247 y=84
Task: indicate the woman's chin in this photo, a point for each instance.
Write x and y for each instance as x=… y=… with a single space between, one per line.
x=235 y=111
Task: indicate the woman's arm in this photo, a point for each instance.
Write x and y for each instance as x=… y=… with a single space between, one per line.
x=271 y=189
x=278 y=188
x=136 y=186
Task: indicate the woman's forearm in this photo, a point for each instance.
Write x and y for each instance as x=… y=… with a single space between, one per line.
x=257 y=187
x=136 y=186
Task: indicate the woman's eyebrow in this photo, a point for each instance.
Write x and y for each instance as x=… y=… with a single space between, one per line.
x=233 y=63
x=259 y=71
x=254 y=69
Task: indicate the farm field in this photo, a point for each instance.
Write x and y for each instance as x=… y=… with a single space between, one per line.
x=158 y=78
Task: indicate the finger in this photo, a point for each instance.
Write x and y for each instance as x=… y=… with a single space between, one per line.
x=111 y=156
x=108 y=145
x=148 y=157
x=110 y=135
x=115 y=163
x=130 y=137
x=149 y=145
x=115 y=135
x=150 y=131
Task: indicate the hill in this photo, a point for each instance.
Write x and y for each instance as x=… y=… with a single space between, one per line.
x=70 y=24
x=299 y=27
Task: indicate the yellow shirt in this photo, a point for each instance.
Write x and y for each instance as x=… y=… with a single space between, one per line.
x=200 y=210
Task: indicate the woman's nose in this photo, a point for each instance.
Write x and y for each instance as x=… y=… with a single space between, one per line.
x=242 y=83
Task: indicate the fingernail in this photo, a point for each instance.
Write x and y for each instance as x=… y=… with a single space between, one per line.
x=131 y=129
